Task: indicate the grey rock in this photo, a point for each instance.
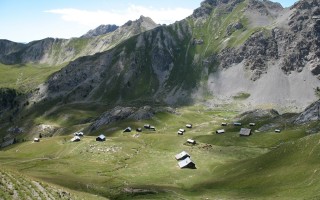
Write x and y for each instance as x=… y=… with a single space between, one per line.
x=257 y=114
x=100 y=30
x=311 y=113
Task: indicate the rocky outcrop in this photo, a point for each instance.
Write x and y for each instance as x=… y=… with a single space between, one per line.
x=296 y=47
x=255 y=52
x=258 y=114
x=311 y=113
x=121 y=113
x=100 y=30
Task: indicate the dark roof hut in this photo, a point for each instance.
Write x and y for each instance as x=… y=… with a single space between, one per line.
x=180 y=133
x=147 y=126
x=101 y=138
x=128 y=129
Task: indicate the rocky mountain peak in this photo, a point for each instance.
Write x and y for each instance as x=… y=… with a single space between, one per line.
x=306 y=4
x=100 y=30
x=143 y=22
x=265 y=7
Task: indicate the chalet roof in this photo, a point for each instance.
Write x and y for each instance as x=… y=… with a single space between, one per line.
x=128 y=129
x=102 y=136
x=187 y=162
x=220 y=131
x=182 y=155
x=78 y=133
x=245 y=131
x=75 y=138
x=191 y=141
x=146 y=126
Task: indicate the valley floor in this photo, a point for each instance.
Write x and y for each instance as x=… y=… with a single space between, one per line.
x=265 y=165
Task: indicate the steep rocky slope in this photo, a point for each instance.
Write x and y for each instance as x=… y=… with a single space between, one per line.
x=100 y=30
x=224 y=49
x=278 y=63
x=53 y=51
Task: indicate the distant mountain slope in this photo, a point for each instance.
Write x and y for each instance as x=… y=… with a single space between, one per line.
x=100 y=30
x=57 y=51
x=225 y=49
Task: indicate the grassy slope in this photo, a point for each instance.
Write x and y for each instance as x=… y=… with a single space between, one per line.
x=14 y=185
x=25 y=77
x=148 y=161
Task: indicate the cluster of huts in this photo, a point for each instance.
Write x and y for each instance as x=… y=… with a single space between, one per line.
x=181 y=131
x=78 y=135
x=146 y=126
x=243 y=131
x=184 y=160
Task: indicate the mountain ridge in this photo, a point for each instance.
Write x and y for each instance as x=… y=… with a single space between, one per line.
x=55 y=51
x=188 y=59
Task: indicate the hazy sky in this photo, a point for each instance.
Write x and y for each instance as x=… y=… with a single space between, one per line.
x=27 y=20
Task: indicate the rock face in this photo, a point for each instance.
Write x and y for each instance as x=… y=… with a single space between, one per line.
x=100 y=30
x=311 y=113
x=258 y=114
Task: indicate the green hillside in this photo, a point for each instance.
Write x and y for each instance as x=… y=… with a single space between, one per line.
x=128 y=166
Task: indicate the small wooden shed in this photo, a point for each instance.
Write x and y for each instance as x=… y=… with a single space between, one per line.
x=220 y=131
x=190 y=141
x=189 y=125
